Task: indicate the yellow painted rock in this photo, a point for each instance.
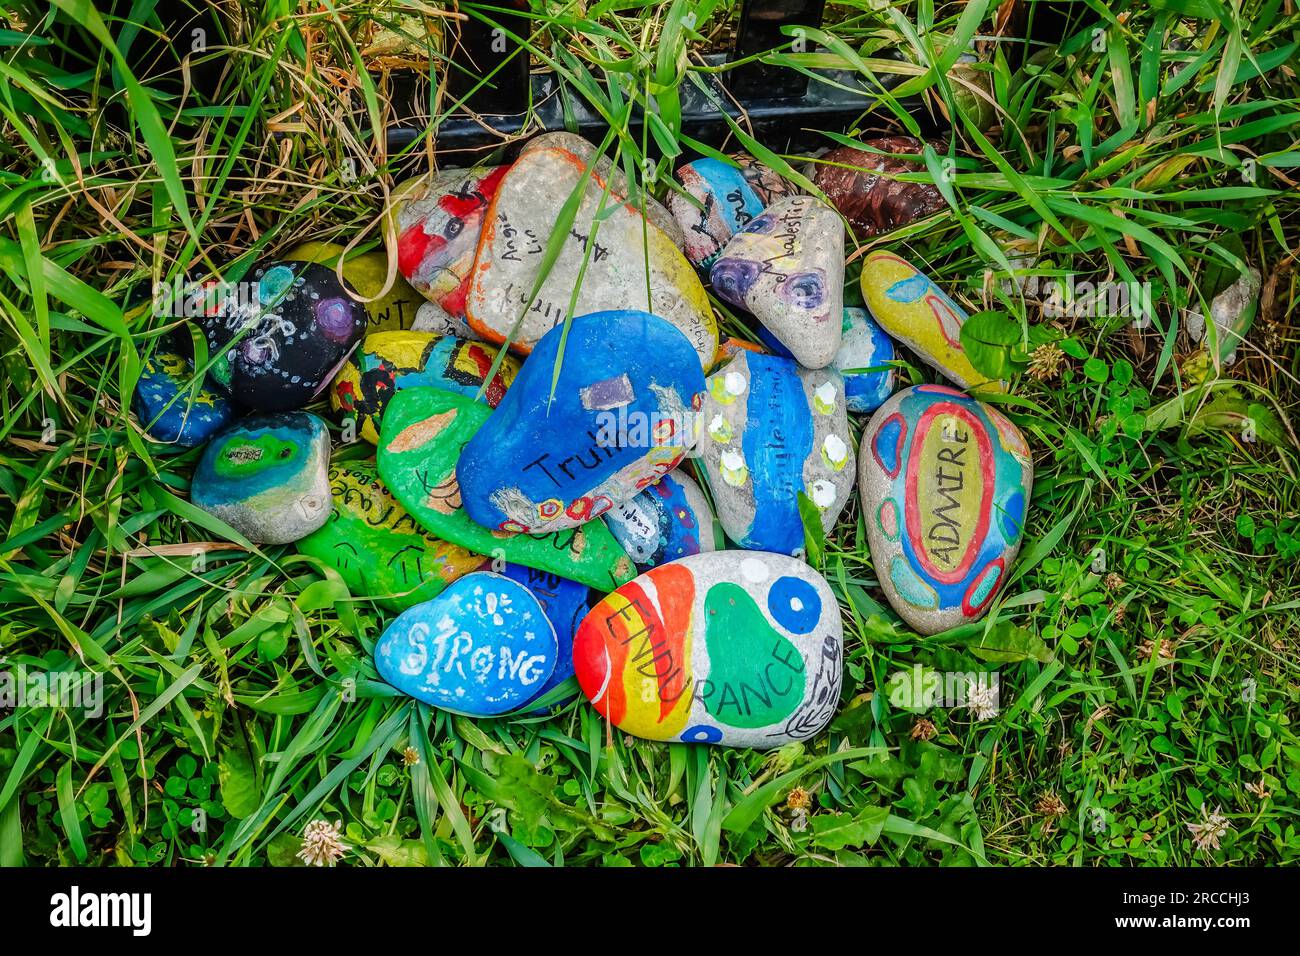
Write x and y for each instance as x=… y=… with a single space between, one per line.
x=912 y=309
x=389 y=361
x=395 y=309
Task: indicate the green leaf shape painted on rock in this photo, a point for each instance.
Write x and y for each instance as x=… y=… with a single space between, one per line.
x=423 y=432
x=746 y=690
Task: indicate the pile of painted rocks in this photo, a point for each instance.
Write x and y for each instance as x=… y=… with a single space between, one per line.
x=627 y=451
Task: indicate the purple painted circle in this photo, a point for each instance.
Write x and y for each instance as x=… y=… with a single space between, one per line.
x=334 y=316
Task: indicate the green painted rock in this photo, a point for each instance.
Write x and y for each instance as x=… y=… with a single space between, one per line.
x=377 y=547
x=423 y=432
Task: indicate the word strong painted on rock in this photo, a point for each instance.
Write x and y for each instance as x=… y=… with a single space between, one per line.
x=725 y=647
x=945 y=484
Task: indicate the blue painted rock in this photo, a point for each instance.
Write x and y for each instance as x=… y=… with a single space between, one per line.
x=729 y=198
x=267 y=476
x=565 y=604
x=787 y=267
x=626 y=263
x=166 y=409
x=377 y=547
x=281 y=345
x=773 y=430
x=623 y=417
x=864 y=346
x=389 y=361
x=739 y=648
x=671 y=519
x=482 y=647
x=907 y=304
x=945 y=484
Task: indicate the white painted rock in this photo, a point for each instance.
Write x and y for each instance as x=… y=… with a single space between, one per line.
x=738 y=648
x=773 y=429
x=945 y=483
x=787 y=267
x=523 y=216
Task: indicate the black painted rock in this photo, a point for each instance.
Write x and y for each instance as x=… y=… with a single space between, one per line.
x=282 y=334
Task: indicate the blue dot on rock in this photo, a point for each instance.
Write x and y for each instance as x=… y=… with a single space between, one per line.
x=794 y=604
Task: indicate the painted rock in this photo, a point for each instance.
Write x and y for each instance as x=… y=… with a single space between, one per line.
x=437 y=220
x=432 y=317
x=728 y=197
x=729 y=347
x=387 y=362
x=166 y=409
x=654 y=210
x=565 y=604
x=282 y=345
x=482 y=647
x=622 y=417
x=915 y=311
x=367 y=272
x=864 y=346
x=772 y=430
x=612 y=260
x=267 y=477
x=732 y=647
x=669 y=520
x=423 y=433
x=859 y=183
x=945 y=484
x=787 y=267
x=376 y=546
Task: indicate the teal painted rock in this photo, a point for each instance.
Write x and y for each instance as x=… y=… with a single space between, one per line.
x=377 y=547
x=739 y=648
x=772 y=431
x=945 y=483
x=669 y=520
x=267 y=477
x=167 y=411
x=424 y=431
x=482 y=647
x=558 y=453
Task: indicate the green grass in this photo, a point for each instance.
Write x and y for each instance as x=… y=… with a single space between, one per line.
x=1133 y=699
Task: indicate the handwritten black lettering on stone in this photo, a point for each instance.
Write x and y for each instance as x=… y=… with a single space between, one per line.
x=650 y=651
x=771 y=677
x=589 y=459
x=944 y=533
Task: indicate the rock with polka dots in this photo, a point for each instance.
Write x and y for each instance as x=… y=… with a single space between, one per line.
x=279 y=342
x=945 y=483
x=773 y=431
x=737 y=648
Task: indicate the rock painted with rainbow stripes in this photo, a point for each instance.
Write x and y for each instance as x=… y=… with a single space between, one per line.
x=773 y=430
x=911 y=308
x=267 y=476
x=945 y=483
x=739 y=648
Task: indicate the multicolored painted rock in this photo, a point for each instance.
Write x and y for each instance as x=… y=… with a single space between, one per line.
x=945 y=484
x=376 y=546
x=367 y=272
x=565 y=605
x=605 y=262
x=423 y=433
x=608 y=172
x=915 y=311
x=437 y=220
x=773 y=430
x=432 y=317
x=787 y=267
x=387 y=362
x=738 y=648
x=267 y=477
x=864 y=346
x=731 y=346
x=623 y=416
x=167 y=410
x=282 y=346
x=482 y=647
x=669 y=520
x=860 y=184
x=728 y=197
